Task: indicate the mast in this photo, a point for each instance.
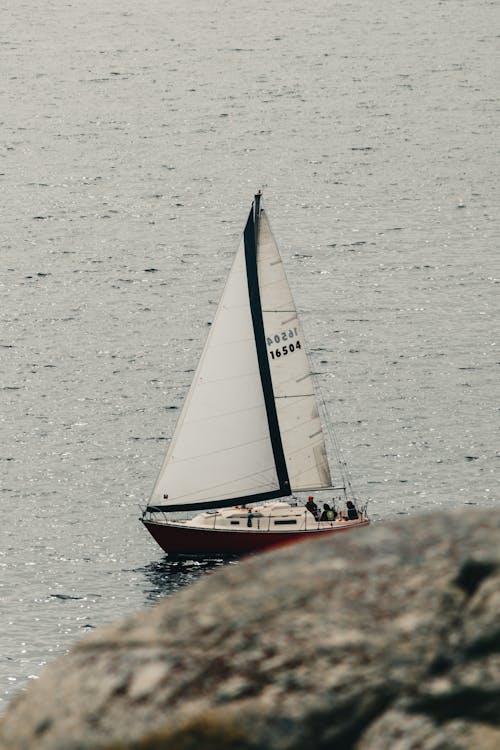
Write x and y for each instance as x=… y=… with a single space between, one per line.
x=256 y=209
x=251 y=239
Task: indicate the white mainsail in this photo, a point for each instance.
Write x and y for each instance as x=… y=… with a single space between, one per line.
x=221 y=447
x=249 y=428
x=300 y=426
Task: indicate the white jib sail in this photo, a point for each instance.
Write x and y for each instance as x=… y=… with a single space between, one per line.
x=296 y=405
x=221 y=446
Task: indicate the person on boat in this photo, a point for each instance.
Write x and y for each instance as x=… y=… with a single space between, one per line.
x=352 y=513
x=312 y=507
x=328 y=513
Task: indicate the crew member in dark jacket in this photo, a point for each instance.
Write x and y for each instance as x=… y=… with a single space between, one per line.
x=312 y=507
x=352 y=513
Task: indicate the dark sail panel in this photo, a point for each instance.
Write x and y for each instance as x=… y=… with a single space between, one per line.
x=250 y=236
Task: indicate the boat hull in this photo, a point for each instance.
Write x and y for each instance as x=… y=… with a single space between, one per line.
x=183 y=539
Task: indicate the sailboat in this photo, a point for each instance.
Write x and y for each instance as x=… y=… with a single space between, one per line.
x=249 y=438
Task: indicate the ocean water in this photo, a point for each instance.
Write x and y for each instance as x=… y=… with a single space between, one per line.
x=133 y=139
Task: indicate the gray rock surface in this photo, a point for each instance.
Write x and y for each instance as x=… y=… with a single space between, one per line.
x=382 y=638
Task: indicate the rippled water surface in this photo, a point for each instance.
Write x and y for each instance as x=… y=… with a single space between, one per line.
x=133 y=138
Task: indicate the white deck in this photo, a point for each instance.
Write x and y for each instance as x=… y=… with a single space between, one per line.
x=273 y=516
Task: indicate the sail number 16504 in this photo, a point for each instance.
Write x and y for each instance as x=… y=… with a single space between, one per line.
x=292 y=344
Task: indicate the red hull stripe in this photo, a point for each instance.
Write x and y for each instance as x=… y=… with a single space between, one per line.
x=189 y=540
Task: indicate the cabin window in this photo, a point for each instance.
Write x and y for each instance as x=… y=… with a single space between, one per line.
x=235 y=523
x=282 y=523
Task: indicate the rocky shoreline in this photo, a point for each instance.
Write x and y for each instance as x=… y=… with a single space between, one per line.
x=385 y=638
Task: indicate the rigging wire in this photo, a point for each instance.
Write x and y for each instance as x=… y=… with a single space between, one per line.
x=345 y=473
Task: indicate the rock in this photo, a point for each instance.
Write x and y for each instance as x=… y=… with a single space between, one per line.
x=386 y=637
